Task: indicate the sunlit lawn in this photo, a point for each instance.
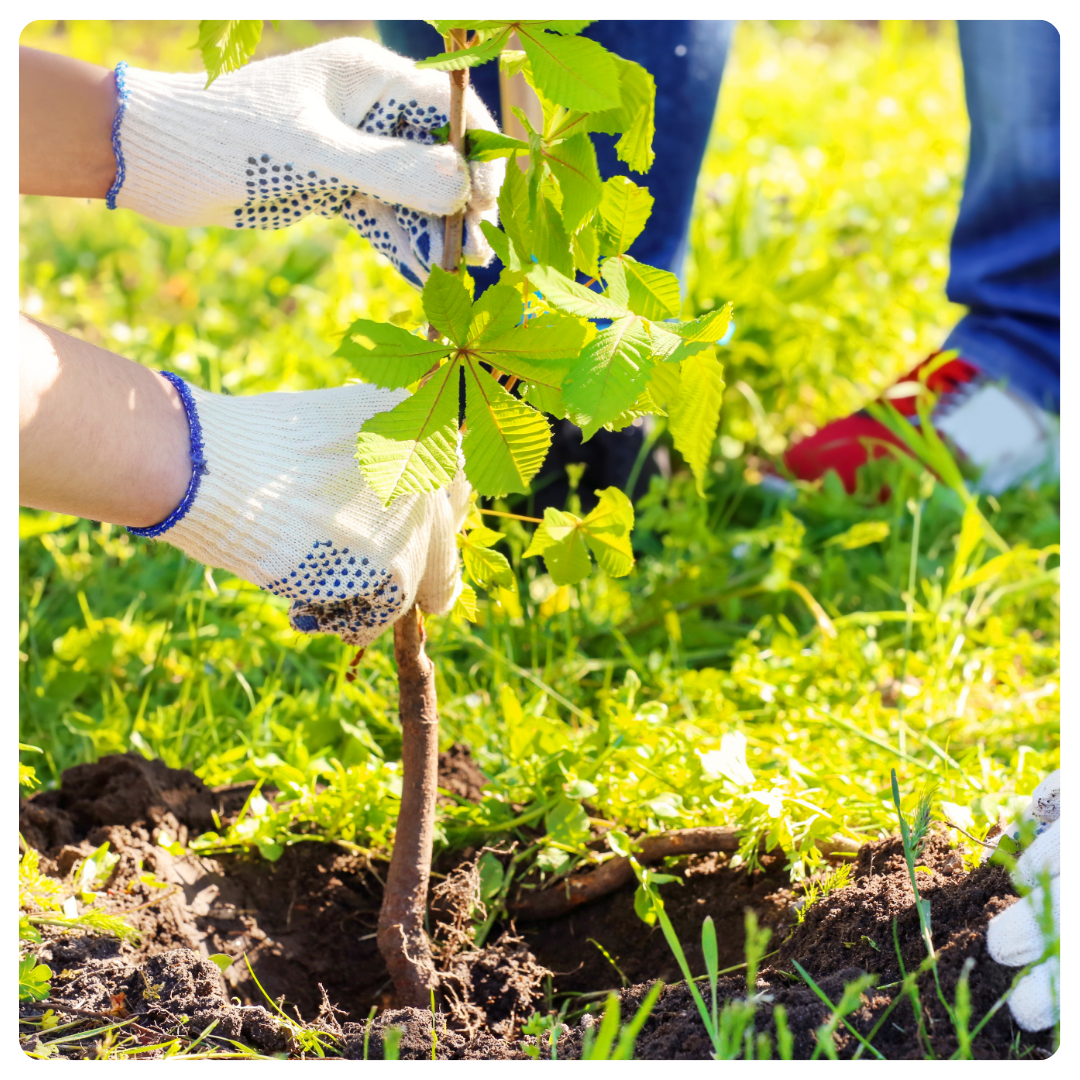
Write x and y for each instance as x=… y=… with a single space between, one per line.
x=825 y=209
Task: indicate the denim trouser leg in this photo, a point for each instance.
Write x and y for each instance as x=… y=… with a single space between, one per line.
x=1005 y=260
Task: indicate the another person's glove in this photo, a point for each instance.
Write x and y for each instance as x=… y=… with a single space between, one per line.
x=1014 y=937
x=304 y=133
x=277 y=498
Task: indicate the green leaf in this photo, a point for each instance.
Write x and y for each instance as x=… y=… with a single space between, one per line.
x=637 y=89
x=607 y=530
x=664 y=383
x=447 y=304
x=514 y=215
x=613 y=272
x=466 y=58
x=480 y=536
x=694 y=415
x=709 y=949
x=500 y=244
x=860 y=534
x=547 y=399
x=551 y=243
x=572 y=71
x=653 y=293
x=498 y=310
x=505 y=441
x=580 y=789
x=710 y=327
x=567 y=295
x=487 y=568
x=624 y=208
x=668 y=347
x=585 y=246
x=610 y=374
x=635 y=147
x=643 y=406
x=563 y=26
x=465 y=604
x=514 y=61
x=540 y=352
x=34 y=980
x=643 y=905
x=573 y=162
x=562 y=539
x=413 y=447
x=492 y=876
x=481 y=145
x=227 y=44
x=567 y=822
x=444 y=26
x=387 y=355
x=222 y=960
x=561 y=543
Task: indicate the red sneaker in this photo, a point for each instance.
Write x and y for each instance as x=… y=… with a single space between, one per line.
x=993 y=430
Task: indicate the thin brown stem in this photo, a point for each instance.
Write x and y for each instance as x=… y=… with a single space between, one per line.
x=402 y=941
x=459 y=81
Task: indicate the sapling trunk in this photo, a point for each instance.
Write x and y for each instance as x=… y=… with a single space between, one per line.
x=402 y=941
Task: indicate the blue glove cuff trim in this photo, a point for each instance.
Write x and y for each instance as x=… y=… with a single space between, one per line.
x=198 y=461
x=122 y=91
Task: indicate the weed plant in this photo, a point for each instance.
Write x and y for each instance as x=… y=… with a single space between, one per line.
x=839 y=636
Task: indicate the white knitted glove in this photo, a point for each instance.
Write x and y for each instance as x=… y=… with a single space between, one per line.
x=277 y=498
x=291 y=135
x=1014 y=938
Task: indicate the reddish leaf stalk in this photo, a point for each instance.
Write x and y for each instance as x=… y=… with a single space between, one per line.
x=402 y=941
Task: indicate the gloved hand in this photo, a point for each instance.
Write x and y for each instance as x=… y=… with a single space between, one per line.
x=291 y=135
x=276 y=497
x=1014 y=938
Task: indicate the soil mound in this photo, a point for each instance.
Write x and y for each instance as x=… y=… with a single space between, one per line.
x=307 y=922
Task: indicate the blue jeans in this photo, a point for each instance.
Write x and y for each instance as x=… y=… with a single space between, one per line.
x=1005 y=259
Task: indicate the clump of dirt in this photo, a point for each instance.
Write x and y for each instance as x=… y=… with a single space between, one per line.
x=460 y=775
x=307 y=923
x=605 y=945
x=119 y=789
x=848 y=933
x=498 y=986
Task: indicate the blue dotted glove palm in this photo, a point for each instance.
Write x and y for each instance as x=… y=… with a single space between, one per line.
x=276 y=498
x=343 y=128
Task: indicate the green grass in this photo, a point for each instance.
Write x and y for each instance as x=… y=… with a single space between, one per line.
x=825 y=208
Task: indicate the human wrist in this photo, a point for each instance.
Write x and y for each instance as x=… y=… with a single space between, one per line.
x=180 y=462
x=66 y=113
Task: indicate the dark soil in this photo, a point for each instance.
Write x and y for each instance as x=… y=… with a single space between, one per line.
x=307 y=927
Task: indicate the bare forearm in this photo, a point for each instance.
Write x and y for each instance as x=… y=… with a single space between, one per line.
x=99 y=436
x=66 y=111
